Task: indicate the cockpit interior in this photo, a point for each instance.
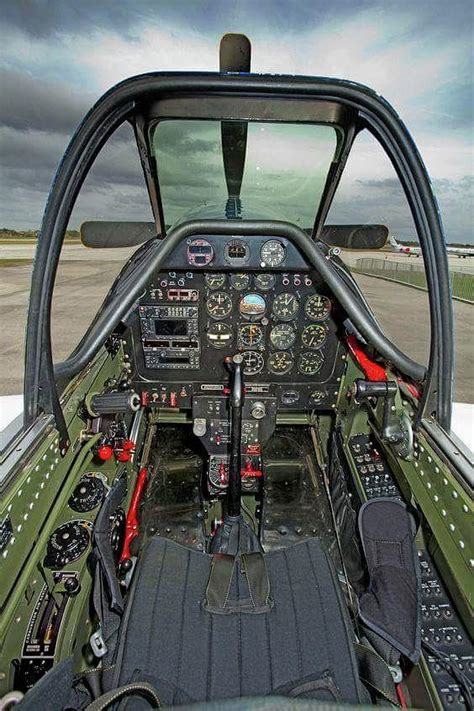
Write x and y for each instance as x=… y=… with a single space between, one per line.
x=231 y=496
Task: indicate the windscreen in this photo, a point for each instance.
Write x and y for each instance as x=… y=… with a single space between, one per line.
x=285 y=171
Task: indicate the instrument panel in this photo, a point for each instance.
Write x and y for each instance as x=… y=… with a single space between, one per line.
x=255 y=296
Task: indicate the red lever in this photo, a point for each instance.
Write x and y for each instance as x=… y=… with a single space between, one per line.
x=373 y=371
x=132 y=524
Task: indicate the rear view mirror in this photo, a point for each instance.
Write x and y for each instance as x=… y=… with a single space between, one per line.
x=101 y=235
x=355 y=236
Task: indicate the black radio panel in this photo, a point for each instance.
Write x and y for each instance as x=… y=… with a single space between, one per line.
x=170 y=336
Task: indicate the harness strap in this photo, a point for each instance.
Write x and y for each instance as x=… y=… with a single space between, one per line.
x=374 y=672
x=135 y=688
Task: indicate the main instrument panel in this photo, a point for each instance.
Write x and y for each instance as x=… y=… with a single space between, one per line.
x=218 y=296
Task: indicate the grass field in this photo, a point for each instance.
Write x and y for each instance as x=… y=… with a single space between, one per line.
x=462 y=283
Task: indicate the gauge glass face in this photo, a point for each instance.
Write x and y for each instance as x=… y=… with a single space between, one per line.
x=252 y=307
x=310 y=362
x=314 y=335
x=282 y=336
x=240 y=281
x=317 y=307
x=316 y=397
x=200 y=253
x=219 y=305
x=264 y=281
x=273 y=253
x=251 y=334
x=237 y=252
x=215 y=281
x=280 y=363
x=252 y=362
x=219 y=335
x=285 y=307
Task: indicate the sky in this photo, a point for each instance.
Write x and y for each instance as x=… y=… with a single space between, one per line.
x=58 y=56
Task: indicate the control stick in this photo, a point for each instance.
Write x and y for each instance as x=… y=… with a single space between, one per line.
x=235 y=463
x=233 y=535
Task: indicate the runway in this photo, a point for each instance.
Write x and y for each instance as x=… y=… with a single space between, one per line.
x=85 y=276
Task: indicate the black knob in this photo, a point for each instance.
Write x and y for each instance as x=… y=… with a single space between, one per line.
x=72 y=586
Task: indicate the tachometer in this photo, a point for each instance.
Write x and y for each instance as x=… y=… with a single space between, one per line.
x=252 y=306
x=251 y=334
x=240 y=281
x=285 y=307
x=252 y=362
x=282 y=336
x=280 y=363
x=215 y=281
x=310 y=362
x=264 y=281
x=314 y=335
x=219 y=305
x=219 y=335
x=317 y=307
x=273 y=253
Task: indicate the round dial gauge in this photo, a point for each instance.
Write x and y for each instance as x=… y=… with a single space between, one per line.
x=316 y=397
x=88 y=494
x=240 y=281
x=252 y=306
x=251 y=334
x=280 y=363
x=219 y=305
x=273 y=253
x=282 y=336
x=310 y=362
x=215 y=281
x=285 y=307
x=219 y=335
x=264 y=281
x=252 y=362
x=314 y=335
x=200 y=252
x=317 y=307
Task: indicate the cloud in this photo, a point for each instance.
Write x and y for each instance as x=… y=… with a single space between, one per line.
x=45 y=106
x=58 y=57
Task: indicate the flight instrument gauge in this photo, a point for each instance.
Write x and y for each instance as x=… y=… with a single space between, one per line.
x=219 y=305
x=215 y=281
x=280 y=363
x=219 y=335
x=317 y=307
x=251 y=334
x=252 y=362
x=282 y=336
x=273 y=253
x=285 y=307
x=200 y=253
x=252 y=307
x=264 y=281
x=314 y=335
x=310 y=362
x=240 y=281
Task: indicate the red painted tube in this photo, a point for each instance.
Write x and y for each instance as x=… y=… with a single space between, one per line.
x=132 y=524
x=373 y=371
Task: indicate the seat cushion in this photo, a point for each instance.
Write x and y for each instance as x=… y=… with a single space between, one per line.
x=301 y=647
